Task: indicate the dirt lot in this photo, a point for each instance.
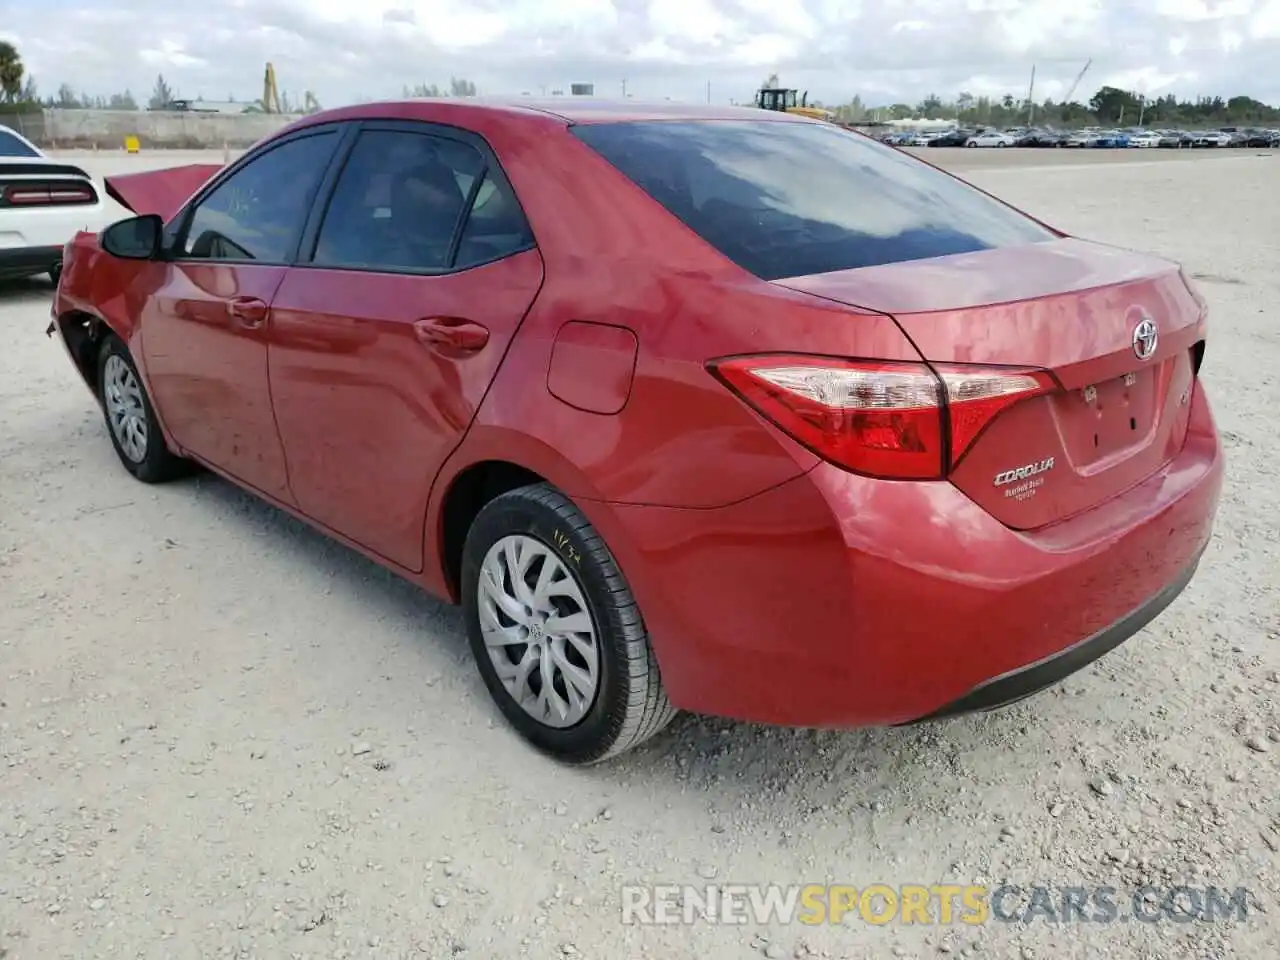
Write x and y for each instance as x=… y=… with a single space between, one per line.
x=222 y=735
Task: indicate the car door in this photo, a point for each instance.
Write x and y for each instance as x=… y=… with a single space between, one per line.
x=390 y=328
x=204 y=329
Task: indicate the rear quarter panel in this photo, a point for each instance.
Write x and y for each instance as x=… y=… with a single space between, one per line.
x=614 y=256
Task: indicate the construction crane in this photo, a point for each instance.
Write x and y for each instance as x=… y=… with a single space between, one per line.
x=270 y=93
x=1079 y=77
x=271 y=101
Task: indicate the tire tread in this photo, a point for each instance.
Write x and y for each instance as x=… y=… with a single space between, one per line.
x=646 y=709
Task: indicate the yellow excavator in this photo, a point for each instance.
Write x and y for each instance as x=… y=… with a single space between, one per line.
x=271 y=95
x=784 y=100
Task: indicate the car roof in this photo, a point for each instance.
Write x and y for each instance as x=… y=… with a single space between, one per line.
x=575 y=110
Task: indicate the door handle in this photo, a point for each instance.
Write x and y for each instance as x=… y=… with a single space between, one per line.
x=450 y=334
x=248 y=312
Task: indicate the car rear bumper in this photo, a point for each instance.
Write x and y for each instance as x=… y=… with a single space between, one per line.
x=834 y=600
x=28 y=261
x=1021 y=683
x=32 y=240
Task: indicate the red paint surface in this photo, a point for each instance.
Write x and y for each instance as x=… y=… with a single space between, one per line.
x=592 y=366
x=776 y=586
x=161 y=192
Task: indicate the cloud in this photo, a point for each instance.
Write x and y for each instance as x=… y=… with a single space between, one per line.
x=884 y=51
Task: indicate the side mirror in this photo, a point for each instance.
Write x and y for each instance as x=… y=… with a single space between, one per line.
x=137 y=238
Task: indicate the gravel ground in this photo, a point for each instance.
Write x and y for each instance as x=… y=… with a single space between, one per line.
x=222 y=735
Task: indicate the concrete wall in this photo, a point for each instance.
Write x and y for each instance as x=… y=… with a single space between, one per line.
x=107 y=129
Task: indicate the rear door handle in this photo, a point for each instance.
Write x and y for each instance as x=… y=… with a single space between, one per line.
x=248 y=312
x=450 y=334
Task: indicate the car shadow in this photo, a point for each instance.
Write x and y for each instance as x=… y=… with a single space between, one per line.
x=25 y=291
x=370 y=583
x=878 y=769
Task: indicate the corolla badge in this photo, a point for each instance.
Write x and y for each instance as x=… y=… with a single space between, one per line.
x=1024 y=472
x=1145 y=337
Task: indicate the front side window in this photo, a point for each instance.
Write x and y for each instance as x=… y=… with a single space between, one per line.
x=792 y=199
x=258 y=212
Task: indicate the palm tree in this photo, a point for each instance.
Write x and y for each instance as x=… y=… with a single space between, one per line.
x=10 y=72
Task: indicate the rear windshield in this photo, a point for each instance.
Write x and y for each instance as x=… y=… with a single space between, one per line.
x=11 y=146
x=790 y=199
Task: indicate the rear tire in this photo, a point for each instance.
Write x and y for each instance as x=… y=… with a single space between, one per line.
x=541 y=584
x=131 y=420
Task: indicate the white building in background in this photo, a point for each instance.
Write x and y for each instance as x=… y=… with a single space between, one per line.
x=923 y=124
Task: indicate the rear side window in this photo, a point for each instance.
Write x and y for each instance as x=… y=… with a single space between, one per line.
x=11 y=146
x=792 y=199
x=401 y=199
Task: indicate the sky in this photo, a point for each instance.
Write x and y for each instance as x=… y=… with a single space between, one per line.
x=885 y=51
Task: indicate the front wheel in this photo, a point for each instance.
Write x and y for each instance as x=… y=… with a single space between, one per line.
x=555 y=631
x=131 y=420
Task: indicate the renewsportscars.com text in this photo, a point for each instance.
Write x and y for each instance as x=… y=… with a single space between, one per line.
x=934 y=904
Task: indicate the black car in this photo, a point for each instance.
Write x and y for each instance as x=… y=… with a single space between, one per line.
x=1263 y=138
x=1040 y=138
x=954 y=138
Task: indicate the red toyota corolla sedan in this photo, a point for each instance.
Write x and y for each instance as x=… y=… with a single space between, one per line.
x=689 y=408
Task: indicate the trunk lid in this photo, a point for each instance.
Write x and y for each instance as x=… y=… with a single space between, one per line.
x=1073 y=308
x=162 y=192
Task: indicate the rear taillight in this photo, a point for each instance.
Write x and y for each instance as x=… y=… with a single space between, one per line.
x=46 y=194
x=903 y=421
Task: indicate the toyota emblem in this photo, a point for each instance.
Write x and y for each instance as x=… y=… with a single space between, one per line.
x=1145 y=338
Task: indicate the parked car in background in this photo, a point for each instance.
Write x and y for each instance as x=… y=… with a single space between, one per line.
x=953 y=138
x=990 y=138
x=1147 y=138
x=1263 y=138
x=850 y=487
x=1111 y=138
x=1081 y=138
x=1041 y=138
x=43 y=203
x=1210 y=138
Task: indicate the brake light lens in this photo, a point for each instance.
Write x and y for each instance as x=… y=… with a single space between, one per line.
x=902 y=421
x=19 y=195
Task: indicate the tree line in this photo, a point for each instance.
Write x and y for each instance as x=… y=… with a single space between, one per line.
x=1110 y=105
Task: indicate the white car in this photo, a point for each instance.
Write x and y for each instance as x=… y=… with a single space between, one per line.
x=991 y=138
x=43 y=202
x=1148 y=138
